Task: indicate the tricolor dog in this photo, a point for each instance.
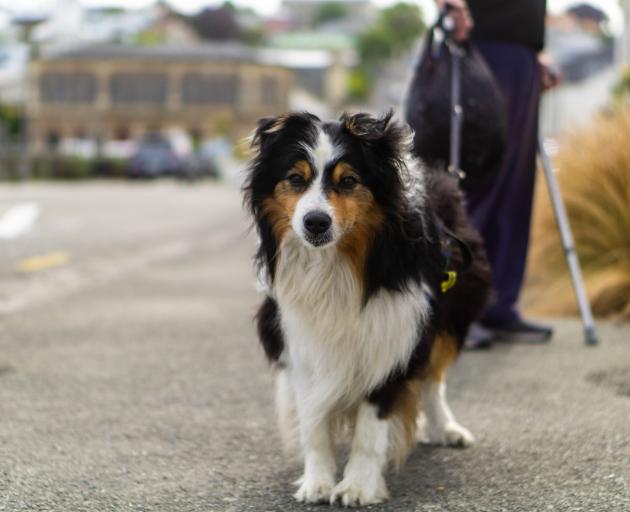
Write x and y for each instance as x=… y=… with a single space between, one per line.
x=359 y=247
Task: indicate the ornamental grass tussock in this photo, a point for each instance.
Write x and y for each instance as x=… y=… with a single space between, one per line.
x=593 y=169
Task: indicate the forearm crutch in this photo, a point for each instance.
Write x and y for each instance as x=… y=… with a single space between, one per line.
x=590 y=336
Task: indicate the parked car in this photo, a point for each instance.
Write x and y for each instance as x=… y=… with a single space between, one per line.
x=198 y=167
x=154 y=157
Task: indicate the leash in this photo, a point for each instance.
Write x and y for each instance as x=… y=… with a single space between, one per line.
x=457 y=52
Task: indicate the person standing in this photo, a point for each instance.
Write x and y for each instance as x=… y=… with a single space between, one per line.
x=510 y=36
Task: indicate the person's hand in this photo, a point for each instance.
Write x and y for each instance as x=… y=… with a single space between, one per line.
x=551 y=76
x=461 y=17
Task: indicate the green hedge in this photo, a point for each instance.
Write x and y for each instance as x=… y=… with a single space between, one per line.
x=62 y=168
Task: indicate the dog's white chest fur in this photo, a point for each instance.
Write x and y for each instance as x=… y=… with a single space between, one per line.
x=337 y=349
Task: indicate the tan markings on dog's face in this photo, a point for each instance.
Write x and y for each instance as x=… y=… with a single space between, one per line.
x=302 y=168
x=280 y=207
x=356 y=213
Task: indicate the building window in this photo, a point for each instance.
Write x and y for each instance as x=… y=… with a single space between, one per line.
x=269 y=91
x=53 y=138
x=138 y=88
x=122 y=133
x=200 y=88
x=67 y=87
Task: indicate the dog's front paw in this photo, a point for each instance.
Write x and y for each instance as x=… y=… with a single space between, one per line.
x=451 y=434
x=457 y=435
x=314 y=490
x=351 y=492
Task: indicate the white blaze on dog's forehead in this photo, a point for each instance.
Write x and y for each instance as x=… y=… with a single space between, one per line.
x=322 y=152
x=314 y=199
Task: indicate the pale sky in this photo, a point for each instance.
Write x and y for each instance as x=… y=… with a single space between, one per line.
x=611 y=7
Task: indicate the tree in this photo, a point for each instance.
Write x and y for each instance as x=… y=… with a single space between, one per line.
x=217 y=24
x=374 y=45
x=329 y=11
x=395 y=30
x=404 y=24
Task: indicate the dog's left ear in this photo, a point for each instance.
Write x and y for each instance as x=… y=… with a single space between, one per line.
x=368 y=128
x=386 y=138
x=365 y=125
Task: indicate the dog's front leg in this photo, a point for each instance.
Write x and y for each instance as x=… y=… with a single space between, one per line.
x=363 y=481
x=318 y=480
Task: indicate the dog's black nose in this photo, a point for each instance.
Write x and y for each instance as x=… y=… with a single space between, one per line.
x=317 y=222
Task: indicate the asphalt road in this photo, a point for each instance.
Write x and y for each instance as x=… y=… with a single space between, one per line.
x=130 y=378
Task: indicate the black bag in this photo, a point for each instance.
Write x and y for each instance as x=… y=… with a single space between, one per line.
x=428 y=111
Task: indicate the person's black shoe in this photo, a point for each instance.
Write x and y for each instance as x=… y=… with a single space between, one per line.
x=478 y=337
x=520 y=331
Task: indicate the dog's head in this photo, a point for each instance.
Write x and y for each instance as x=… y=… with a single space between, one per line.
x=326 y=183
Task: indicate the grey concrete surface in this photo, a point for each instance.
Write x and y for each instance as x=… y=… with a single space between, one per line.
x=147 y=391
x=106 y=229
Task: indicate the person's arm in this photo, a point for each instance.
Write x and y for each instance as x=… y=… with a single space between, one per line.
x=551 y=76
x=463 y=21
x=461 y=17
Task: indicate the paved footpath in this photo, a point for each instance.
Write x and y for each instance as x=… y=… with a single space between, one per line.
x=148 y=392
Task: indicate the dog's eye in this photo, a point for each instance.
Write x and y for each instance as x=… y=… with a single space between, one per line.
x=348 y=182
x=296 y=180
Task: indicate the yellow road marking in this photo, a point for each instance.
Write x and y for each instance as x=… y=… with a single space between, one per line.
x=50 y=260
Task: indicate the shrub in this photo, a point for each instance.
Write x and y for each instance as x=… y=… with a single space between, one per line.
x=621 y=90
x=11 y=121
x=593 y=169
x=64 y=168
x=359 y=84
x=57 y=167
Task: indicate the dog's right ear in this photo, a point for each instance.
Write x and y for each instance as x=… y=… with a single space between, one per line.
x=261 y=133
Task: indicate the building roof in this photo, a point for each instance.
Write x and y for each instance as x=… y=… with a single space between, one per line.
x=231 y=52
x=586 y=11
x=306 y=40
x=319 y=2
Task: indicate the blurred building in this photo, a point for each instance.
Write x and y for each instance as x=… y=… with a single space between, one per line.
x=163 y=25
x=589 y=17
x=14 y=59
x=623 y=44
x=355 y=14
x=115 y=92
x=583 y=49
x=579 y=41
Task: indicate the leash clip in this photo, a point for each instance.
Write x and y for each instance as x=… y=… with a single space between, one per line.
x=450 y=278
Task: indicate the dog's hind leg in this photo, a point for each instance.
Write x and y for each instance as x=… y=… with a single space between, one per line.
x=440 y=426
x=363 y=482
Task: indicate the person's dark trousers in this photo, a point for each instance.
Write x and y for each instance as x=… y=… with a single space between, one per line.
x=501 y=210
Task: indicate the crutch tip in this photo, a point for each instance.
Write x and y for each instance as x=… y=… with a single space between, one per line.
x=590 y=336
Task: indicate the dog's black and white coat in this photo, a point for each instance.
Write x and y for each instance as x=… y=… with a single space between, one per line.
x=351 y=254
